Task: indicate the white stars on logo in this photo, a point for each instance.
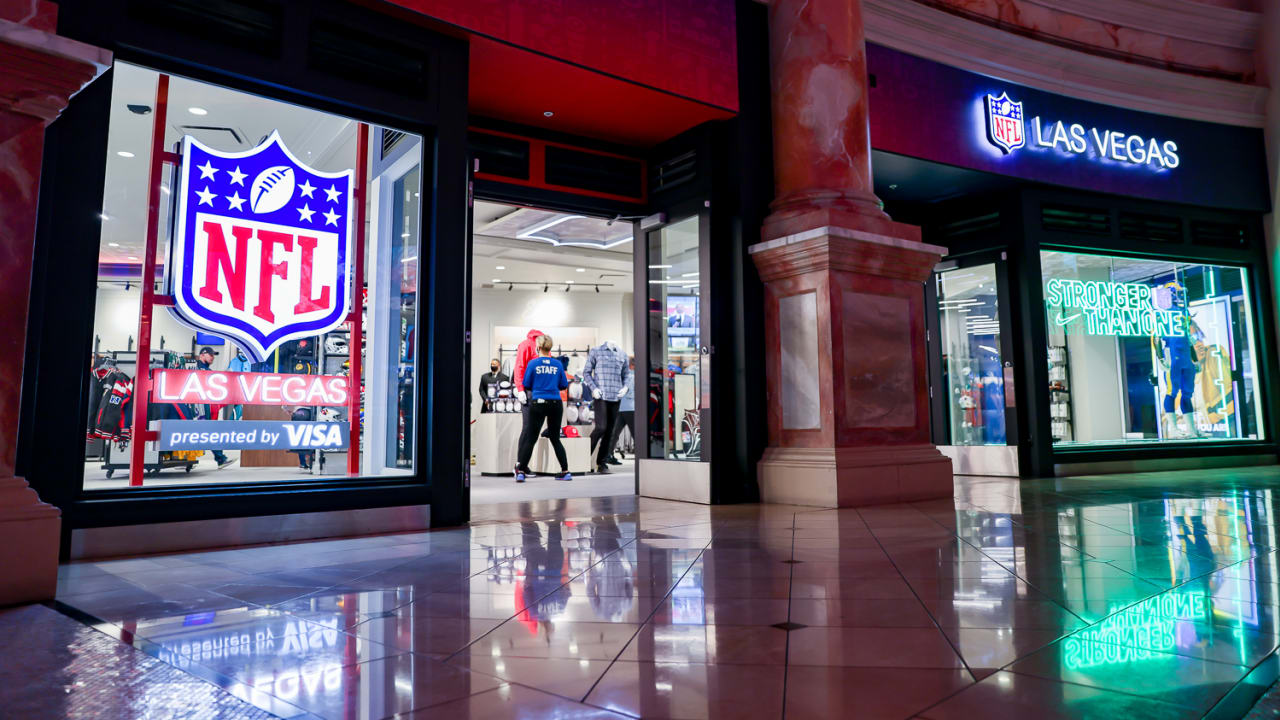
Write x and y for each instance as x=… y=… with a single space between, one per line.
x=333 y=193
x=234 y=201
x=305 y=213
x=206 y=197
x=237 y=177
x=307 y=189
x=330 y=217
x=207 y=170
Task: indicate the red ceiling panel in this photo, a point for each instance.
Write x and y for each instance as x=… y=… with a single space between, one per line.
x=685 y=47
x=520 y=86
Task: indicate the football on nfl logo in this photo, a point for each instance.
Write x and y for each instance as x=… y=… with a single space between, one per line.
x=1005 y=128
x=261 y=250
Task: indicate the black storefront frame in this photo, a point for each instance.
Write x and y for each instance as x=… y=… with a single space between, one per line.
x=60 y=327
x=1021 y=233
x=1250 y=256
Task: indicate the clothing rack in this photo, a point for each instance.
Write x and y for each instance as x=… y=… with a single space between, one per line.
x=555 y=351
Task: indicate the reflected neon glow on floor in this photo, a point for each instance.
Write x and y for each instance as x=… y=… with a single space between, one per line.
x=1140 y=596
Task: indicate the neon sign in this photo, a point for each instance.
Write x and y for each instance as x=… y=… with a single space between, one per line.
x=1006 y=130
x=261 y=248
x=1111 y=308
x=1146 y=631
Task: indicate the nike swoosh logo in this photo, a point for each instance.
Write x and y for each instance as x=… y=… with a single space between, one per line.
x=1064 y=320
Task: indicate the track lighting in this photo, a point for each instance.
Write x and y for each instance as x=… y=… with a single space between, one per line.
x=545 y=288
x=566 y=288
x=511 y=286
x=597 y=289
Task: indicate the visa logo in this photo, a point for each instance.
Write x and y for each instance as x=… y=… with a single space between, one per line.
x=314 y=436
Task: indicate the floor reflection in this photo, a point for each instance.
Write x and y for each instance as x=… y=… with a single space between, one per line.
x=1145 y=596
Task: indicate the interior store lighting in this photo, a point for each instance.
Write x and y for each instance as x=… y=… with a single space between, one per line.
x=197 y=111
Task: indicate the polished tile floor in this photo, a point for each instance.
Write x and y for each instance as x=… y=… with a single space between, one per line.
x=1138 y=596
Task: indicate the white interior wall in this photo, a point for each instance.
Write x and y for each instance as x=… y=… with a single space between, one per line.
x=1097 y=395
x=116 y=320
x=610 y=313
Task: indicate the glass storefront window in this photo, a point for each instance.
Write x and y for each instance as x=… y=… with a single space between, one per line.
x=1144 y=351
x=257 y=240
x=677 y=378
x=969 y=323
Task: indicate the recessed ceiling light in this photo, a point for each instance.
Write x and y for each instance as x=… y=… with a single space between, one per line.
x=125 y=154
x=133 y=257
x=499 y=267
x=579 y=269
x=113 y=244
x=197 y=110
x=547 y=113
x=497 y=280
x=568 y=282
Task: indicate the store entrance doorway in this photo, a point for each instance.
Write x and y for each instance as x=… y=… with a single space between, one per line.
x=543 y=272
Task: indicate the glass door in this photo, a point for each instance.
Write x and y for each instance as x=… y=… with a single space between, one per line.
x=676 y=369
x=674 y=358
x=972 y=383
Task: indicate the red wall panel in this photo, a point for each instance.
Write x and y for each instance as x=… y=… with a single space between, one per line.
x=686 y=47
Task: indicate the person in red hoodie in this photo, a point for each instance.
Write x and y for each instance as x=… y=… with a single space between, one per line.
x=525 y=351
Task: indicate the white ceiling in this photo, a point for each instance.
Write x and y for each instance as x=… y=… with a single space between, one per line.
x=497 y=231
x=323 y=141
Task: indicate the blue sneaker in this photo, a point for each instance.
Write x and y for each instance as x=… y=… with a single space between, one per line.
x=520 y=474
x=565 y=476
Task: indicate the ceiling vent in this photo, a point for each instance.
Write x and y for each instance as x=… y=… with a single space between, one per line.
x=1075 y=220
x=594 y=171
x=499 y=155
x=674 y=172
x=1150 y=228
x=969 y=227
x=254 y=26
x=390 y=138
x=1223 y=235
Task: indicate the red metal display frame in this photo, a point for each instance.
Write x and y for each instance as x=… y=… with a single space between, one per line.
x=160 y=157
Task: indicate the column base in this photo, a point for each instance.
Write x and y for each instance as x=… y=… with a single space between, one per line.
x=29 y=535
x=852 y=477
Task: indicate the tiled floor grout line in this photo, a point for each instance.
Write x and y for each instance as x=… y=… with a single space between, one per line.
x=786 y=653
x=549 y=593
x=916 y=595
x=642 y=624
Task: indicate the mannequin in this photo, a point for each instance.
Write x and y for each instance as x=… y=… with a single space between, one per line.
x=607 y=376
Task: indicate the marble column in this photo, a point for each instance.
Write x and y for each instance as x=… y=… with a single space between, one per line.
x=39 y=72
x=845 y=335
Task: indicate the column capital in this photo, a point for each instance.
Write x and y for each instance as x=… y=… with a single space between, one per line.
x=845 y=249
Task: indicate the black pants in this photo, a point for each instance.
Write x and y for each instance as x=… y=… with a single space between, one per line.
x=602 y=434
x=626 y=418
x=539 y=410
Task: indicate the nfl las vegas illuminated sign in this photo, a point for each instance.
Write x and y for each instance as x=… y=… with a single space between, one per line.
x=261 y=251
x=1008 y=130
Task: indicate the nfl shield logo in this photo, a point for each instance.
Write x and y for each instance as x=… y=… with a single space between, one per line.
x=1004 y=123
x=261 y=249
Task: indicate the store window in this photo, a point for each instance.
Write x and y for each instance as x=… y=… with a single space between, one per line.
x=677 y=376
x=274 y=338
x=1146 y=351
x=969 y=323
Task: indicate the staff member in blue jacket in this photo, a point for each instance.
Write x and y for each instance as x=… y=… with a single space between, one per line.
x=543 y=379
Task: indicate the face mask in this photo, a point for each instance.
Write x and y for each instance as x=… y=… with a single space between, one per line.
x=493 y=368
